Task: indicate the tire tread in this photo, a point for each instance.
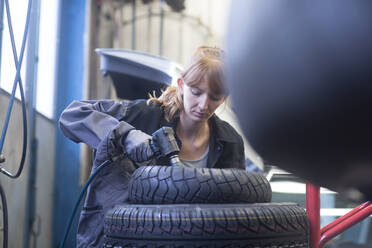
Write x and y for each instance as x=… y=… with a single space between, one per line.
x=178 y=185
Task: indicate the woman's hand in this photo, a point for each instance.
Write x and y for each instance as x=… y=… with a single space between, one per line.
x=137 y=146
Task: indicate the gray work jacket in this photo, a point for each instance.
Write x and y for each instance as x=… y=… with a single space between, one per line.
x=95 y=123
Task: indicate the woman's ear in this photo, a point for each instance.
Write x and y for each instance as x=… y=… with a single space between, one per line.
x=180 y=85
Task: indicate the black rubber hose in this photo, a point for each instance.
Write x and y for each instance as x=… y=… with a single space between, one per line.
x=77 y=203
x=5 y=217
x=24 y=148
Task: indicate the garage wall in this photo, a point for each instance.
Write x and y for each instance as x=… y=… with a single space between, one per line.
x=202 y=22
x=12 y=151
x=15 y=189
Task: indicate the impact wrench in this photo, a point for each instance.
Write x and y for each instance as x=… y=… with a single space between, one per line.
x=164 y=144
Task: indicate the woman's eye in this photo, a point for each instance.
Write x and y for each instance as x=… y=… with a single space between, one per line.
x=195 y=92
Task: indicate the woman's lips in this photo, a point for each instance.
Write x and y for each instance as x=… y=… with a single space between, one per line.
x=200 y=115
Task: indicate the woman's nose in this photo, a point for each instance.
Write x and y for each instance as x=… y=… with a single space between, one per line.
x=203 y=105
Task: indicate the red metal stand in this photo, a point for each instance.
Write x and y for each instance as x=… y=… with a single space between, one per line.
x=313 y=211
x=319 y=237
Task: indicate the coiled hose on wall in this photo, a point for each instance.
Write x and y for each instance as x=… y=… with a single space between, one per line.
x=17 y=80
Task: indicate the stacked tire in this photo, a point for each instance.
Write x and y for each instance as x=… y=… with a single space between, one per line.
x=198 y=207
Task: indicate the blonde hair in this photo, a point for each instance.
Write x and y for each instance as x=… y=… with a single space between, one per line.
x=205 y=64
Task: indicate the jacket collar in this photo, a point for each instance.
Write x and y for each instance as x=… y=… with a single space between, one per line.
x=172 y=124
x=220 y=130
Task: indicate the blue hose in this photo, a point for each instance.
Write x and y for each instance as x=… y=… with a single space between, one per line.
x=16 y=80
x=82 y=192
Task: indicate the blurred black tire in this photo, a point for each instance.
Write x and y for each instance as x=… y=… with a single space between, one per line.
x=300 y=80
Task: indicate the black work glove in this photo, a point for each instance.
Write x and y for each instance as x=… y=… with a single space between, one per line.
x=137 y=146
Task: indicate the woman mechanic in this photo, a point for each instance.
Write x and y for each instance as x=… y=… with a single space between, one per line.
x=123 y=129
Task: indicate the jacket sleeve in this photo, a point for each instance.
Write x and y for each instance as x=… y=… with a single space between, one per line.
x=91 y=121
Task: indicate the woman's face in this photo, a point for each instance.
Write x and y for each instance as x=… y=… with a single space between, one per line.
x=198 y=101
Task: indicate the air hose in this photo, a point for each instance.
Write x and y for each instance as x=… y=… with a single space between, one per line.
x=17 y=80
x=77 y=203
x=5 y=217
